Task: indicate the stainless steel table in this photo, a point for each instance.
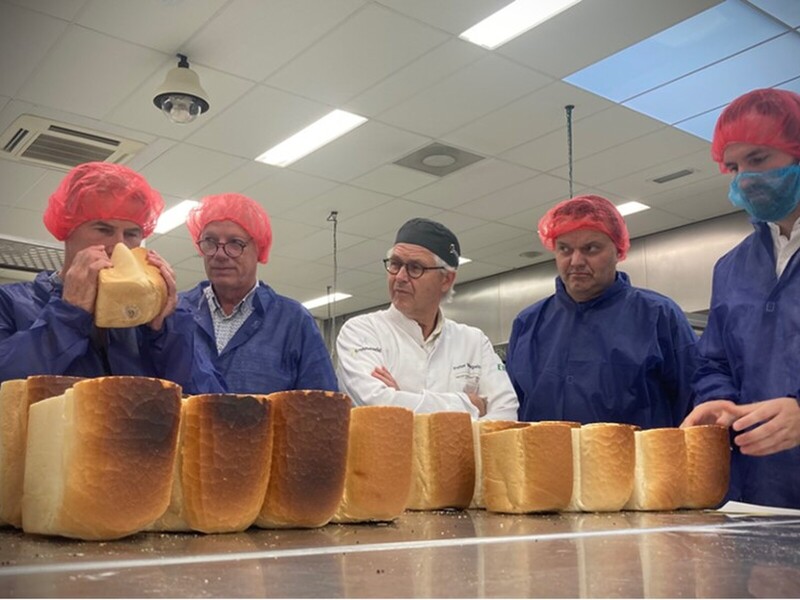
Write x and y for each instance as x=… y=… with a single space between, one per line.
x=456 y=554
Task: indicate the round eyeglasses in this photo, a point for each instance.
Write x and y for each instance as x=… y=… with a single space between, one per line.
x=413 y=270
x=233 y=248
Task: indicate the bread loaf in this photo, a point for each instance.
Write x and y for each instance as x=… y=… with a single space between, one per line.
x=379 y=454
x=130 y=293
x=660 y=480
x=603 y=461
x=16 y=397
x=309 y=458
x=478 y=429
x=100 y=457
x=529 y=469
x=443 y=473
x=222 y=465
x=708 y=455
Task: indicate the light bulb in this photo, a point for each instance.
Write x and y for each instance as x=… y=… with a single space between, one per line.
x=181 y=108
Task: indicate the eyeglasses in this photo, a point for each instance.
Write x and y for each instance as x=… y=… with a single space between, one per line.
x=233 y=248
x=413 y=270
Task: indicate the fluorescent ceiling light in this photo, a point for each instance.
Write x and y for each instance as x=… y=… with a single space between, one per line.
x=685 y=75
x=462 y=260
x=330 y=298
x=628 y=208
x=175 y=216
x=333 y=125
x=513 y=20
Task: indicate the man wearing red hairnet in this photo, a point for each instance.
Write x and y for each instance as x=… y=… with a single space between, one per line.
x=749 y=376
x=259 y=341
x=599 y=349
x=47 y=326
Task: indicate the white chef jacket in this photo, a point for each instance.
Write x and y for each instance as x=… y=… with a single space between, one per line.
x=433 y=375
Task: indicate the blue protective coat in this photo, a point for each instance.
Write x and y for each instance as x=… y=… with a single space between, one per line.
x=40 y=334
x=625 y=357
x=278 y=347
x=750 y=351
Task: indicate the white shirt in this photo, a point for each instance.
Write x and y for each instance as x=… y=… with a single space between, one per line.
x=433 y=375
x=784 y=247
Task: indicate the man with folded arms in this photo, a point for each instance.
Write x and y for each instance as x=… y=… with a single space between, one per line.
x=410 y=355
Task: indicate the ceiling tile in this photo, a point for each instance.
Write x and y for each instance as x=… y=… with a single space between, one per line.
x=253 y=38
x=248 y=129
x=89 y=73
x=591 y=134
x=287 y=232
x=486 y=235
x=359 y=152
x=25 y=38
x=27 y=224
x=346 y=200
x=62 y=9
x=474 y=181
x=16 y=180
x=173 y=249
x=539 y=190
x=364 y=256
x=248 y=175
x=284 y=190
x=185 y=169
x=386 y=218
x=394 y=180
x=426 y=71
x=528 y=118
x=652 y=220
x=38 y=195
x=457 y=222
x=470 y=93
x=365 y=49
x=318 y=245
x=152 y=23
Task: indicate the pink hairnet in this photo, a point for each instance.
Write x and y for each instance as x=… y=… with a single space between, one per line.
x=585 y=212
x=98 y=190
x=245 y=212
x=767 y=117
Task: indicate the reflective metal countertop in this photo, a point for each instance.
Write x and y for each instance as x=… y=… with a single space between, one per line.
x=457 y=554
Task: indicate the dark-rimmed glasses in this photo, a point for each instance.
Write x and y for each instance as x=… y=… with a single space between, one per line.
x=413 y=270
x=233 y=248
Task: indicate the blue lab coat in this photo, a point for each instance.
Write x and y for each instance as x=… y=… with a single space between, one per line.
x=750 y=351
x=40 y=334
x=278 y=347
x=626 y=356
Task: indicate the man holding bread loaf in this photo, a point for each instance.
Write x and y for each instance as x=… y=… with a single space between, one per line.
x=599 y=349
x=259 y=341
x=410 y=355
x=749 y=375
x=56 y=324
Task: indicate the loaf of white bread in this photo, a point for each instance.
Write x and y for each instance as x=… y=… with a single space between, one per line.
x=603 y=462
x=661 y=476
x=478 y=429
x=708 y=456
x=222 y=465
x=528 y=469
x=379 y=458
x=16 y=397
x=443 y=474
x=100 y=458
x=309 y=458
x=132 y=292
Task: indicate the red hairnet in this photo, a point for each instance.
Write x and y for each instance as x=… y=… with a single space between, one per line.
x=98 y=190
x=245 y=212
x=585 y=212
x=767 y=117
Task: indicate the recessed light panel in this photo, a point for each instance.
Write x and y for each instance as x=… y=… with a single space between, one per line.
x=175 y=216
x=323 y=300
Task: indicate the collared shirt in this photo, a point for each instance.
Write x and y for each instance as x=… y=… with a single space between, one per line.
x=434 y=374
x=226 y=326
x=784 y=247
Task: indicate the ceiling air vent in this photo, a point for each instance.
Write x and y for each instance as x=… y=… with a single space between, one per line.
x=45 y=142
x=438 y=159
x=673 y=176
x=27 y=255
